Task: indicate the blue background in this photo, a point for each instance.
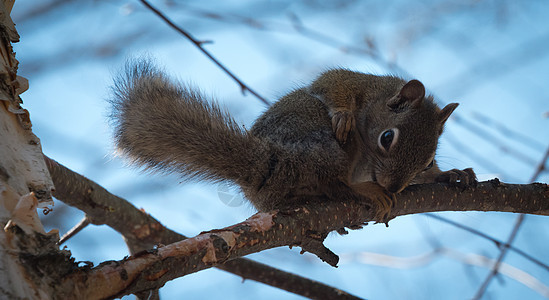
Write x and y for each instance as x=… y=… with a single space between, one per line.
x=490 y=56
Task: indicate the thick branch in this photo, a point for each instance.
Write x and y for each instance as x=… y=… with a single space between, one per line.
x=143 y=231
x=292 y=227
x=490 y=195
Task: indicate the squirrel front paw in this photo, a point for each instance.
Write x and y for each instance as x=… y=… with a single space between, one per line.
x=463 y=178
x=383 y=200
x=343 y=121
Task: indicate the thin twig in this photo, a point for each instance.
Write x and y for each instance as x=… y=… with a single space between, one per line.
x=506 y=131
x=513 y=272
x=541 y=166
x=485 y=236
x=527 y=52
x=520 y=220
x=479 y=131
x=478 y=158
x=422 y=260
x=495 y=269
x=76 y=229
x=198 y=44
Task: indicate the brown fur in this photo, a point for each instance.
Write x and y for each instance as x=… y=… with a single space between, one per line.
x=291 y=154
x=377 y=103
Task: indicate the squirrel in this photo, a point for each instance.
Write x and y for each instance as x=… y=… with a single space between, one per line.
x=347 y=136
x=382 y=108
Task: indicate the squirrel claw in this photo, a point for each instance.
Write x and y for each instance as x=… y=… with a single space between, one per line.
x=343 y=121
x=385 y=203
x=383 y=200
x=455 y=177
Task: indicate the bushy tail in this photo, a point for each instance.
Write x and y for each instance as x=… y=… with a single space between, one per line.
x=169 y=127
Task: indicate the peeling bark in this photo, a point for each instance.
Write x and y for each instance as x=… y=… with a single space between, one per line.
x=25 y=184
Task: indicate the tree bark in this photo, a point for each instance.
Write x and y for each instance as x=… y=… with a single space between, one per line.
x=142 y=231
x=304 y=226
x=25 y=183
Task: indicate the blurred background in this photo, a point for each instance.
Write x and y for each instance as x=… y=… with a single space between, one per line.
x=490 y=56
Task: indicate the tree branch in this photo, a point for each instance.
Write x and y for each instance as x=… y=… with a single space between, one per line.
x=199 y=44
x=491 y=195
x=495 y=268
x=75 y=230
x=505 y=247
x=290 y=227
x=497 y=242
x=141 y=231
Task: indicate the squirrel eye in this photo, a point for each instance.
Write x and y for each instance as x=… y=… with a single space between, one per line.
x=430 y=165
x=387 y=138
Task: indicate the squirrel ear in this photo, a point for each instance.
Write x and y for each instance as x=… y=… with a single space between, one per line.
x=446 y=112
x=413 y=91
